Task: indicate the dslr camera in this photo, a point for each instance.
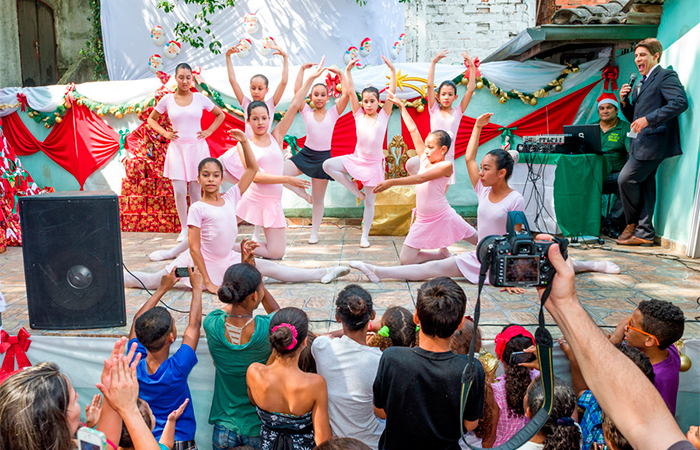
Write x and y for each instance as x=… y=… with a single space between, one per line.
x=516 y=259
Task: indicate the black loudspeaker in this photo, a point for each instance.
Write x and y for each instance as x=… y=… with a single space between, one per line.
x=73 y=260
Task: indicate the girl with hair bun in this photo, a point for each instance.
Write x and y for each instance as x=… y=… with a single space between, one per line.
x=396 y=329
x=560 y=432
x=349 y=366
x=292 y=405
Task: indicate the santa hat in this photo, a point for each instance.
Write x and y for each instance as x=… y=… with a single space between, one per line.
x=608 y=97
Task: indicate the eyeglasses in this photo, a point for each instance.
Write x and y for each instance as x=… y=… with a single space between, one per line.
x=629 y=325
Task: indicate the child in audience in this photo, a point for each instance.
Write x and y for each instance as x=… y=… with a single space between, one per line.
x=395 y=329
x=292 y=405
x=653 y=328
x=509 y=389
x=693 y=436
x=560 y=432
x=349 y=365
x=167 y=439
x=307 y=363
x=163 y=378
x=236 y=339
x=336 y=443
x=418 y=390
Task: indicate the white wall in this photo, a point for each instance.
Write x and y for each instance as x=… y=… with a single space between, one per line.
x=480 y=26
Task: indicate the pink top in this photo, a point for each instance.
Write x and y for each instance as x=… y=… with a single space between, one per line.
x=186 y=120
x=449 y=124
x=319 y=134
x=217 y=225
x=270 y=161
x=508 y=423
x=371 y=134
x=492 y=217
x=270 y=109
x=430 y=196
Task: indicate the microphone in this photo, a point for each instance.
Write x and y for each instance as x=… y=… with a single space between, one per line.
x=633 y=77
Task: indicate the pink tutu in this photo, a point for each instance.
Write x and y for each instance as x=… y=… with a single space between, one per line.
x=258 y=209
x=231 y=161
x=216 y=267
x=369 y=171
x=437 y=230
x=183 y=158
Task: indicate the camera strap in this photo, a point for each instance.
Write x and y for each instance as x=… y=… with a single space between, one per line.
x=543 y=342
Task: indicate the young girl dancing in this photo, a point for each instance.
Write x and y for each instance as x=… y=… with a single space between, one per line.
x=187 y=140
x=262 y=204
x=442 y=115
x=437 y=224
x=319 y=133
x=367 y=163
x=292 y=405
x=496 y=199
x=213 y=233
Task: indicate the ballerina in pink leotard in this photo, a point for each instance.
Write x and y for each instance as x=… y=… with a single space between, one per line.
x=437 y=225
x=496 y=199
x=366 y=164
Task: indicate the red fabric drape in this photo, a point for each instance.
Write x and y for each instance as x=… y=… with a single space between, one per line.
x=344 y=136
x=549 y=119
x=422 y=121
x=81 y=143
x=221 y=140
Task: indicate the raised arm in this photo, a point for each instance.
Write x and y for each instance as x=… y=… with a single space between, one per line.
x=166 y=283
x=473 y=146
x=439 y=170
x=283 y=126
x=319 y=413
x=237 y=91
x=392 y=84
x=300 y=76
x=248 y=158
x=167 y=438
x=410 y=124
x=471 y=85
x=191 y=335
x=277 y=96
x=342 y=102
x=430 y=89
x=354 y=102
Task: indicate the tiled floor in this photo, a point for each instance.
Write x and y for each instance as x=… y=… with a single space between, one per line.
x=608 y=298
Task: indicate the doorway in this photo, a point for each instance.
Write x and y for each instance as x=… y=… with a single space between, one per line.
x=37 y=43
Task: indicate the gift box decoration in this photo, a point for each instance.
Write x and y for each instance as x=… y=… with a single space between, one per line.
x=137 y=204
x=168 y=205
x=129 y=221
x=135 y=168
x=154 y=205
x=147 y=186
x=164 y=187
x=130 y=186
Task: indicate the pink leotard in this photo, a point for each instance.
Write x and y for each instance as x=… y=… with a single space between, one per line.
x=185 y=152
x=270 y=110
x=491 y=220
x=218 y=231
x=436 y=224
x=367 y=162
x=449 y=124
x=262 y=203
x=319 y=134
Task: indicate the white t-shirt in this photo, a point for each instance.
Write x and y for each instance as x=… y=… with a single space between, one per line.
x=529 y=445
x=349 y=369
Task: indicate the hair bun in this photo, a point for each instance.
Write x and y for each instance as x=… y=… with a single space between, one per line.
x=515 y=155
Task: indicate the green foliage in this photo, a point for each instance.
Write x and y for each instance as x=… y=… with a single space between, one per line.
x=94 y=49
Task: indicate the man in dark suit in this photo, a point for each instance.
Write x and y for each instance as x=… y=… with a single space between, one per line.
x=652 y=107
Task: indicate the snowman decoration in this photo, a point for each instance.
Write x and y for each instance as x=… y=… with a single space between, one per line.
x=155 y=63
x=251 y=24
x=171 y=49
x=244 y=47
x=366 y=47
x=265 y=45
x=158 y=35
x=350 y=54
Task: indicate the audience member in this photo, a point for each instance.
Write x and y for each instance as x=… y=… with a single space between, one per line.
x=396 y=328
x=418 y=389
x=307 y=363
x=337 y=443
x=349 y=366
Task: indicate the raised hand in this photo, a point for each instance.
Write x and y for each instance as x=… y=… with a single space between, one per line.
x=353 y=62
x=391 y=97
x=196 y=278
x=388 y=62
x=307 y=66
x=248 y=251
x=440 y=55
x=238 y=135
x=93 y=411
x=173 y=416
x=298 y=182
x=277 y=50
x=232 y=50
x=483 y=120
x=169 y=280
x=334 y=70
x=467 y=58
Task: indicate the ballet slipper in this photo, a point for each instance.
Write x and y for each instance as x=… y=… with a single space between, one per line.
x=160 y=255
x=313 y=238
x=367 y=269
x=606 y=267
x=183 y=235
x=334 y=272
x=364 y=242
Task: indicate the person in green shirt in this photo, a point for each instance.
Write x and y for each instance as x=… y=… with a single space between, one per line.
x=615 y=147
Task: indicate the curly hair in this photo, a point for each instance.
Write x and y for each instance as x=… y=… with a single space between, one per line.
x=662 y=319
x=517 y=377
x=560 y=430
x=462 y=338
x=402 y=330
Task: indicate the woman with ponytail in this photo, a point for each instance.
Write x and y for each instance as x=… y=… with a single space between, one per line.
x=236 y=340
x=560 y=432
x=292 y=405
x=509 y=389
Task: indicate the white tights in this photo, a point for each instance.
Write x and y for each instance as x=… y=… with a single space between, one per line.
x=318 y=196
x=180 y=191
x=275 y=243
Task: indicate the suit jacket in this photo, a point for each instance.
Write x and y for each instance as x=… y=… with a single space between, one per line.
x=661 y=99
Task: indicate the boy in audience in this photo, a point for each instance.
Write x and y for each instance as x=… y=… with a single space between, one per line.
x=163 y=379
x=653 y=328
x=417 y=390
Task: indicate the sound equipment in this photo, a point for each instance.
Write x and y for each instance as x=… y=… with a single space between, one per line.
x=73 y=260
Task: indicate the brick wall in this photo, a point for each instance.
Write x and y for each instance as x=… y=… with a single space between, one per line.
x=480 y=26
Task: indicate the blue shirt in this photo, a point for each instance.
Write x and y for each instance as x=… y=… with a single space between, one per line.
x=167 y=389
x=592 y=421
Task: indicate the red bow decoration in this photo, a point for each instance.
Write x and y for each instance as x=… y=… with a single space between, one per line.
x=610 y=74
x=69 y=93
x=15 y=346
x=331 y=83
x=162 y=76
x=477 y=63
x=23 y=100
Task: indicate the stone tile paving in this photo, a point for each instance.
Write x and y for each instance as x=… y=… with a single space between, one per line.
x=608 y=298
